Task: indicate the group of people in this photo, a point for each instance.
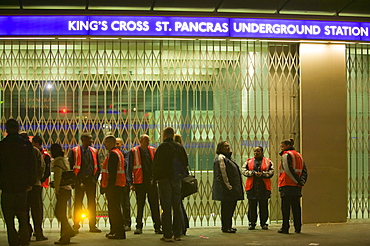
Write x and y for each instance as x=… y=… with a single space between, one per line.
x=149 y=172
x=145 y=170
x=228 y=187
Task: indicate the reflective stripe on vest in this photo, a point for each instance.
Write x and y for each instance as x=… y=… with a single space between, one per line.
x=120 y=176
x=77 y=153
x=297 y=163
x=45 y=153
x=265 y=166
x=137 y=169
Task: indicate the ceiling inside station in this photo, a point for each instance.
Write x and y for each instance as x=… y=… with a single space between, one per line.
x=333 y=8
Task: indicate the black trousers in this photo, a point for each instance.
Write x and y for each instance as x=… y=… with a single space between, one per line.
x=60 y=211
x=35 y=205
x=263 y=211
x=15 y=205
x=88 y=188
x=113 y=195
x=142 y=191
x=125 y=206
x=185 y=219
x=227 y=212
x=293 y=202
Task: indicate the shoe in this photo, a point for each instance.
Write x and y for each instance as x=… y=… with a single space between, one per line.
x=158 y=231
x=281 y=230
x=75 y=228
x=166 y=239
x=95 y=229
x=251 y=227
x=127 y=228
x=265 y=227
x=229 y=231
x=177 y=238
x=110 y=233
x=138 y=231
x=62 y=242
x=298 y=231
x=42 y=238
x=115 y=236
x=234 y=229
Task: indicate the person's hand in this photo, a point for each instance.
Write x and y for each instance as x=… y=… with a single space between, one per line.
x=29 y=188
x=132 y=187
x=258 y=174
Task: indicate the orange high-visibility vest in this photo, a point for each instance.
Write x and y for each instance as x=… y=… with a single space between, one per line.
x=137 y=169
x=297 y=162
x=78 y=159
x=45 y=153
x=121 y=176
x=265 y=166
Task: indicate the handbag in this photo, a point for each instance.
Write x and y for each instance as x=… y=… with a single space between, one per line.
x=68 y=178
x=189 y=186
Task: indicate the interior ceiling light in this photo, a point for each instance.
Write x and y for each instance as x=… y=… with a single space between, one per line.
x=184 y=9
x=252 y=11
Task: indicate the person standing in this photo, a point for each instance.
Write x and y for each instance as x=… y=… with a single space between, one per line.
x=259 y=171
x=292 y=177
x=227 y=185
x=112 y=185
x=169 y=186
x=141 y=160
x=83 y=160
x=18 y=173
x=185 y=220
x=125 y=198
x=34 y=197
x=37 y=142
x=62 y=192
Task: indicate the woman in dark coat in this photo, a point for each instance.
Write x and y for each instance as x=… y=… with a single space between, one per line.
x=227 y=185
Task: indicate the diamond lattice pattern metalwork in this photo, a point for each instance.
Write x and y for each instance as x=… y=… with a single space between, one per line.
x=209 y=90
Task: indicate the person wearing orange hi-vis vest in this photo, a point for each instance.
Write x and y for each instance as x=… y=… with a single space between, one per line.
x=141 y=160
x=292 y=177
x=84 y=163
x=112 y=184
x=259 y=171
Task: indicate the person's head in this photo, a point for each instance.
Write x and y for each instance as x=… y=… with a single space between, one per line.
x=258 y=152
x=168 y=132
x=56 y=150
x=177 y=138
x=109 y=142
x=86 y=139
x=119 y=143
x=144 y=141
x=286 y=144
x=24 y=135
x=223 y=147
x=12 y=126
x=37 y=141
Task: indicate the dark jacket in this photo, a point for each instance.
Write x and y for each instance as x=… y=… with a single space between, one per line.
x=18 y=165
x=163 y=159
x=227 y=180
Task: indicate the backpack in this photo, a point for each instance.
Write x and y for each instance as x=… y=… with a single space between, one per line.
x=189 y=186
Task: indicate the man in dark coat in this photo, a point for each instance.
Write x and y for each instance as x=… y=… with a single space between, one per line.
x=18 y=172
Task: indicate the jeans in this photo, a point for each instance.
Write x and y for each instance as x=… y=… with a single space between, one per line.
x=15 y=205
x=61 y=214
x=170 y=196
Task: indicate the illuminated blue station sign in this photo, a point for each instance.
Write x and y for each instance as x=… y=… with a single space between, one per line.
x=154 y=26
